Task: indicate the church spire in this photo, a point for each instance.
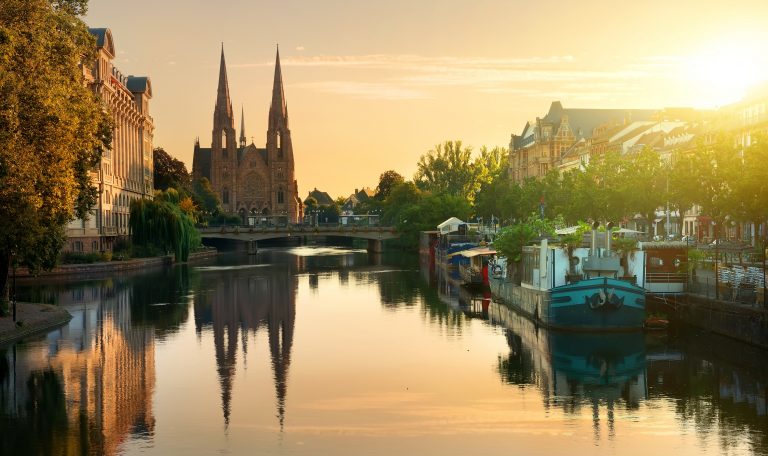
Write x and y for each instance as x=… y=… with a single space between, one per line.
x=278 y=112
x=223 y=103
x=242 y=127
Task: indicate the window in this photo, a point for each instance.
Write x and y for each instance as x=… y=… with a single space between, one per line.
x=280 y=197
x=225 y=196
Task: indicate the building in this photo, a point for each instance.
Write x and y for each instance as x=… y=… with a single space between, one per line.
x=322 y=198
x=542 y=143
x=251 y=181
x=124 y=173
x=359 y=196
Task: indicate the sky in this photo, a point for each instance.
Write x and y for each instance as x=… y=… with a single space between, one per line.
x=373 y=85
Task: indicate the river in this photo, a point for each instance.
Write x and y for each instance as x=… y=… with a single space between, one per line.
x=327 y=351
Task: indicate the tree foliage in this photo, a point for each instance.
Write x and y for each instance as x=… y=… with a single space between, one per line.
x=169 y=171
x=387 y=181
x=52 y=127
x=162 y=225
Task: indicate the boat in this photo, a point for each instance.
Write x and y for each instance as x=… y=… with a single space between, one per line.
x=475 y=271
x=593 y=289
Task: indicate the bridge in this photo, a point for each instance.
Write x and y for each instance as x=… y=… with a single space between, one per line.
x=252 y=234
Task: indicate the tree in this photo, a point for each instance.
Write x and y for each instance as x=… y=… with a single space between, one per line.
x=449 y=169
x=387 y=181
x=206 y=199
x=168 y=171
x=162 y=225
x=52 y=127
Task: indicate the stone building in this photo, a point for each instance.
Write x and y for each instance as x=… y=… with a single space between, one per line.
x=543 y=143
x=256 y=183
x=124 y=173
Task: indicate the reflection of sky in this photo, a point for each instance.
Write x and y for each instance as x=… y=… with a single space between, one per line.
x=379 y=365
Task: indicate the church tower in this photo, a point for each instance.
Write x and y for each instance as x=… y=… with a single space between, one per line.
x=285 y=200
x=224 y=144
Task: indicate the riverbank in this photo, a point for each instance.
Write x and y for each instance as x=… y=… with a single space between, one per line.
x=31 y=319
x=66 y=270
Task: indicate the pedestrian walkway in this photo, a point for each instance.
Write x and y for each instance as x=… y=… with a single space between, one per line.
x=31 y=319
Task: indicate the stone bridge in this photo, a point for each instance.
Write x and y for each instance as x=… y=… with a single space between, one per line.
x=252 y=234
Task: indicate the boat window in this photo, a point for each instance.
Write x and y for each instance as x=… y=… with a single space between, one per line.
x=655 y=262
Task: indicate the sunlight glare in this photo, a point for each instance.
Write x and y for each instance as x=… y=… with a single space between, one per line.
x=725 y=70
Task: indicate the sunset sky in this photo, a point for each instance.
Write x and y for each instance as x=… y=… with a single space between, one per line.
x=373 y=85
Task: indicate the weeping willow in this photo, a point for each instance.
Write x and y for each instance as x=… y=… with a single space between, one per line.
x=161 y=224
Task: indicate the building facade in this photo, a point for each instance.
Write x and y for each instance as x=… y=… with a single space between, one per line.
x=124 y=173
x=258 y=184
x=543 y=143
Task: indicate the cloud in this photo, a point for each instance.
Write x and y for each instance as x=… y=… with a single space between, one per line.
x=407 y=76
x=365 y=90
x=299 y=48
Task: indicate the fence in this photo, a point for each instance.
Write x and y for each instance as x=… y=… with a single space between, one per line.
x=734 y=284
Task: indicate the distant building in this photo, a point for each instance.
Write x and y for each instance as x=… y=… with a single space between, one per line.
x=124 y=173
x=322 y=198
x=359 y=196
x=543 y=143
x=250 y=180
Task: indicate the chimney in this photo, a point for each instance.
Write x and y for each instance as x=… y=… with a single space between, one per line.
x=608 y=229
x=593 y=246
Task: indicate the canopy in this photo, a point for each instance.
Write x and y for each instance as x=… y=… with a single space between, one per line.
x=628 y=231
x=450 y=225
x=469 y=253
x=567 y=230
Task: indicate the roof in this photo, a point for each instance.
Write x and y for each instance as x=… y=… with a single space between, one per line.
x=583 y=121
x=323 y=198
x=470 y=253
x=451 y=221
x=139 y=84
x=104 y=39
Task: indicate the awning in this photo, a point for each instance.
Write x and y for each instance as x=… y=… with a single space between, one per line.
x=627 y=231
x=567 y=230
x=469 y=253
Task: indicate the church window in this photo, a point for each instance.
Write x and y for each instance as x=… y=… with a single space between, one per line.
x=279 y=144
x=280 y=173
x=280 y=197
x=225 y=196
x=224 y=151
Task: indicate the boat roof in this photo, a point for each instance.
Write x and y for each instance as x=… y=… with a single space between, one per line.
x=469 y=253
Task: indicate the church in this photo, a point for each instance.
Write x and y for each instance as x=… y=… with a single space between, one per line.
x=258 y=184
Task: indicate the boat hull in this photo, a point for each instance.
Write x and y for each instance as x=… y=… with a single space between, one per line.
x=599 y=304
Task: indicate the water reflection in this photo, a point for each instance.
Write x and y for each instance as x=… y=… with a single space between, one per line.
x=714 y=382
x=356 y=351
x=574 y=371
x=85 y=387
x=243 y=302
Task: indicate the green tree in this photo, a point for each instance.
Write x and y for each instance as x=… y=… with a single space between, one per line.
x=206 y=199
x=387 y=181
x=448 y=169
x=52 y=127
x=169 y=171
x=160 y=226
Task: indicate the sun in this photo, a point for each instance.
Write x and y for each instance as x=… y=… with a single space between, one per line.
x=723 y=71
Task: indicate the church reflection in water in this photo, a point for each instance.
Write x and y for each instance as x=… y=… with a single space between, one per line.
x=246 y=301
x=574 y=370
x=87 y=386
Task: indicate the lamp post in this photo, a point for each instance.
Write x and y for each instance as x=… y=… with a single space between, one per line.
x=717 y=260
x=13 y=284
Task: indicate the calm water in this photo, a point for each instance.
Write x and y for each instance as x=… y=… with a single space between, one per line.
x=324 y=351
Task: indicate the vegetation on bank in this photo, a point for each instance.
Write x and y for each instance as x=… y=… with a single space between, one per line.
x=52 y=127
x=725 y=181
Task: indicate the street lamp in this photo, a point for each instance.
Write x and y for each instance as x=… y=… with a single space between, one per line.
x=13 y=294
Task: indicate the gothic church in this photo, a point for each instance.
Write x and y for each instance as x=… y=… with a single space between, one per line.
x=255 y=183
